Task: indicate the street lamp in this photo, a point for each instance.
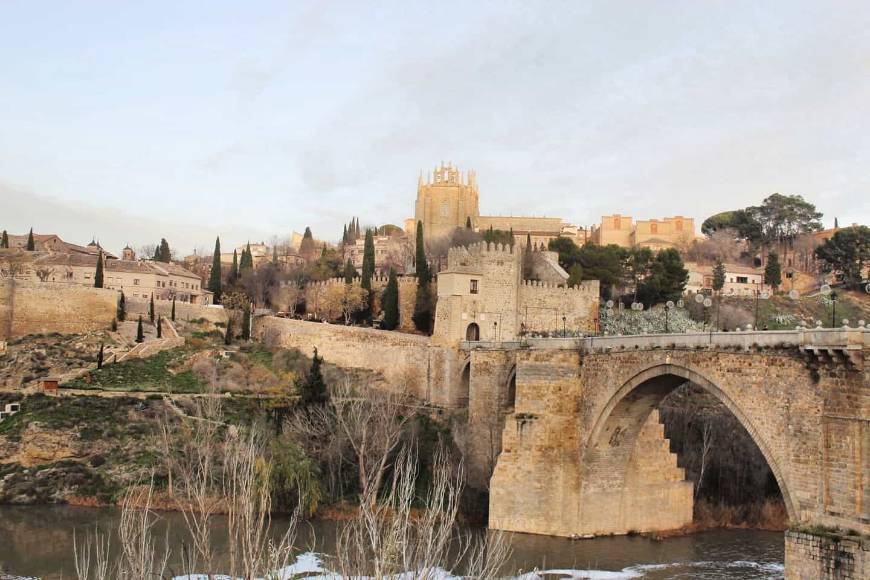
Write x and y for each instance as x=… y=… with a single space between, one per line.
x=826 y=290
x=707 y=304
x=564 y=330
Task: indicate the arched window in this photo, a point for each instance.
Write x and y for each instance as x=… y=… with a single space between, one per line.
x=472 y=333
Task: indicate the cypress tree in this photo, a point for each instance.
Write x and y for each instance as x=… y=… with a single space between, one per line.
x=4 y=241
x=718 y=275
x=31 y=245
x=773 y=271
x=122 y=308
x=98 y=275
x=246 y=323
x=234 y=269
x=162 y=253
x=172 y=314
x=344 y=234
x=159 y=327
x=100 y=357
x=468 y=223
x=214 y=278
x=390 y=300
x=247 y=261
x=228 y=335
x=349 y=272
x=423 y=275
x=313 y=389
x=151 y=309
x=368 y=265
x=140 y=332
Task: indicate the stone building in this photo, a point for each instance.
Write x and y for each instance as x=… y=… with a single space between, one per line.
x=52 y=243
x=739 y=280
x=482 y=295
x=655 y=234
x=391 y=251
x=136 y=278
x=447 y=200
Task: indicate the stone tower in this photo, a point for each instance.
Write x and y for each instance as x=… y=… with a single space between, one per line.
x=128 y=254
x=445 y=200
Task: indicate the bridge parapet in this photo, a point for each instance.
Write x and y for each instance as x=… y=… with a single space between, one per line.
x=844 y=343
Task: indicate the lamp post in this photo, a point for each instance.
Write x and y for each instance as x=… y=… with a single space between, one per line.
x=564 y=330
x=834 y=298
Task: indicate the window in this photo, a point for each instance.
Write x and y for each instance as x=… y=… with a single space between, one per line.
x=473 y=287
x=135 y=281
x=742 y=280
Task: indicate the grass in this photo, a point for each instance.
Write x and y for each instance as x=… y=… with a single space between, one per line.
x=98 y=414
x=150 y=374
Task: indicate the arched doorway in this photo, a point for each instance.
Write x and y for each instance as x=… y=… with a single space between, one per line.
x=472 y=332
x=464 y=385
x=511 y=393
x=613 y=461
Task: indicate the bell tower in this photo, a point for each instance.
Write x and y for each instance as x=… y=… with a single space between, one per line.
x=446 y=199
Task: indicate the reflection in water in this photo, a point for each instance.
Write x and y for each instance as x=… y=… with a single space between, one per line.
x=37 y=541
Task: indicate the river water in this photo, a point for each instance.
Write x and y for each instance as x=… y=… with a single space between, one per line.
x=37 y=541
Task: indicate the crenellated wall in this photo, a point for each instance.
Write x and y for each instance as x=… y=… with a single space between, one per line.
x=542 y=306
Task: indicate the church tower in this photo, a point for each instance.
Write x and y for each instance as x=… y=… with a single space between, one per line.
x=446 y=200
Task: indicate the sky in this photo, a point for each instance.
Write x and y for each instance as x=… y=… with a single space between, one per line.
x=132 y=121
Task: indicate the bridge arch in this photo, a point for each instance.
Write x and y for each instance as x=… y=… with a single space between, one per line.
x=613 y=436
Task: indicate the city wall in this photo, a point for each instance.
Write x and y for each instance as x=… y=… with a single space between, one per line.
x=547 y=307
x=44 y=307
x=410 y=363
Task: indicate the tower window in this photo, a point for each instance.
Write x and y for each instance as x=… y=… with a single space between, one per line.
x=473 y=287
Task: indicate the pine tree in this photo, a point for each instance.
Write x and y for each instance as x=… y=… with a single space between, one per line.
x=100 y=357
x=368 y=264
x=214 y=278
x=4 y=241
x=234 y=269
x=246 y=323
x=98 y=275
x=773 y=271
x=122 y=308
x=159 y=327
x=172 y=314
x=228 y=335
x=718 y=275
x=140 y=332
x=349 y=272
x=312 y=391
x=390 y=301
x=151 y=309
x=31 y=245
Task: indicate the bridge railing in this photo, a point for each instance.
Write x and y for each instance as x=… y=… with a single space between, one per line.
x=847 y=337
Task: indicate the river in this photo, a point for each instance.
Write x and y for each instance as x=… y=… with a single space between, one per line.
x=37 y=541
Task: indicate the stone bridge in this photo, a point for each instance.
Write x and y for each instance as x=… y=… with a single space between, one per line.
x=569 y=430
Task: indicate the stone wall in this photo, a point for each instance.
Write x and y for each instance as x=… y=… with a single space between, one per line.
x=184 y=311
x=410 y=363
x=542 y=306
x=820 y=557
x=44 y=307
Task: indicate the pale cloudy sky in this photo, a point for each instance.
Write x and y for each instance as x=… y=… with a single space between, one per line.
x=131 y=121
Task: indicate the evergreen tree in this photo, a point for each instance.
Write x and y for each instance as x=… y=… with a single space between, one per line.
x=312 y=390
x=368 y=265
x=159 y=327
x=234 y=269
x=390 y=300
x=468 y=223
x=666 y=280
x=773 y=271
x=423 y=275
x=214 y=278
x=848 y=251
x=247 y=261
x=349 y=272
x=98 y=275
x=162 y=253
x=527 y=258
x=140 y=332
x=718 y=275
x=836 y=226
x=100 y=357
x=344 y=235
x=228 y=335
x=4 y=241
x=246 y=323
x=151 y=309
x=172 y=314
x=122 y=308
x=31 y=245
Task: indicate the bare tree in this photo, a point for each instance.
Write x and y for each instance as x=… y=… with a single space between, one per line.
x=287 y=297
x=91 y=557
x=706 y=445
x=139 y=557
x=342 y=301
x=44 y=273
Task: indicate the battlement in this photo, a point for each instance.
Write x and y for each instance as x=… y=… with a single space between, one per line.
x=376 y=281
x=587 y=287
x=448 y=175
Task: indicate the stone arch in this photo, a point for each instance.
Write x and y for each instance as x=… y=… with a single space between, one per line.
x=464 y=384
x=510 y=400
x=611 y=441
x=472 y=332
